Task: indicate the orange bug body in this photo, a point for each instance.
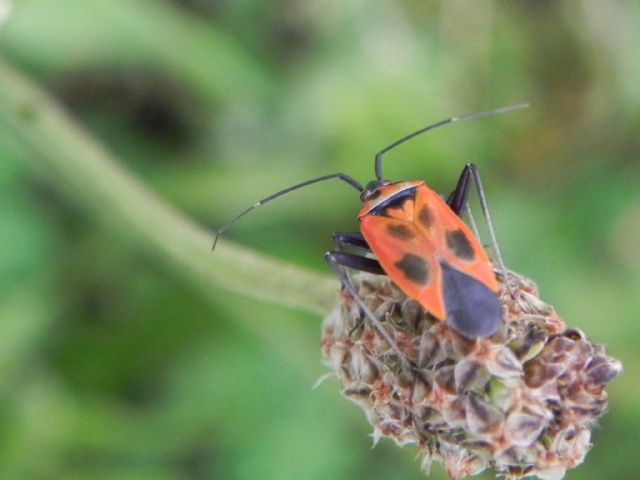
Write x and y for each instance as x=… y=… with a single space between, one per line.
x=422 y=244
x=414 y=237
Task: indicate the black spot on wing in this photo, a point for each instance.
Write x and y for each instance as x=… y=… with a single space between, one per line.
x=425 y=217
x=414 y=268
x=400 y=231
x=459 y=244
x=472 y=309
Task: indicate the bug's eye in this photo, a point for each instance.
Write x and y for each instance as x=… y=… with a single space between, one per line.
x=369 y=194
x=371 y=191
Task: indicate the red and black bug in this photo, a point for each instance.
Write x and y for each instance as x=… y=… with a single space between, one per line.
x=418 y=239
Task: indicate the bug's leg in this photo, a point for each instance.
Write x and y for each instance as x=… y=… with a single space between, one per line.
x=458 y=198
x=472 y=222
x=457 y=201
x=355 y=262
x=354 y=243
x=353 y=239
x=350 y=251
x=338 y=261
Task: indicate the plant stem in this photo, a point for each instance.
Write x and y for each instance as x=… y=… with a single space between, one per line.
x=85 y=170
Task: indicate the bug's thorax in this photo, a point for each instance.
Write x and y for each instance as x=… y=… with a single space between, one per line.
x=378 y=195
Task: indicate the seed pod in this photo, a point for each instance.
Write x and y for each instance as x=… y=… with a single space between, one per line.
x=521 y=402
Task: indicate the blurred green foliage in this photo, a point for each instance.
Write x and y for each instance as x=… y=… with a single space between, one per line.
x=111 y=367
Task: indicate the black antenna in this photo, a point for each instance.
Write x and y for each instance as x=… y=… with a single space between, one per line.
x=354 y=183
x=470 y=116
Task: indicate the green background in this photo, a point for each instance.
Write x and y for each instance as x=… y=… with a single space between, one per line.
x=113 y=365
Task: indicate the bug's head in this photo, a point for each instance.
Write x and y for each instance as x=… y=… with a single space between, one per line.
x=372 y=190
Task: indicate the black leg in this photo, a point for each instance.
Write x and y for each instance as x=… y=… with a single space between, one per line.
x=458 y=203
x=458 y=198
x=355 y=258
x=341 y=273
x=356 y=262
x=353 y=239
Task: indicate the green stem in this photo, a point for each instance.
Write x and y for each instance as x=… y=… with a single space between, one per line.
x=90 y=174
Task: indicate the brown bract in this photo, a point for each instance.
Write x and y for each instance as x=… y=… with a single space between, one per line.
x=521 y=402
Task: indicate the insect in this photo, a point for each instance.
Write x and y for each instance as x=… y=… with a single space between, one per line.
x=418 y=239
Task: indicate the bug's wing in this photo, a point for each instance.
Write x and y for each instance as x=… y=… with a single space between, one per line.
x=452 y=239
x=407 y=256
x=472 y=309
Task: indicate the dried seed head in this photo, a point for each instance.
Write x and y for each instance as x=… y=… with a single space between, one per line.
x=521 y=402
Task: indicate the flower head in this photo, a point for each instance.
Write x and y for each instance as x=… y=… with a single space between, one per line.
x=521 y=402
